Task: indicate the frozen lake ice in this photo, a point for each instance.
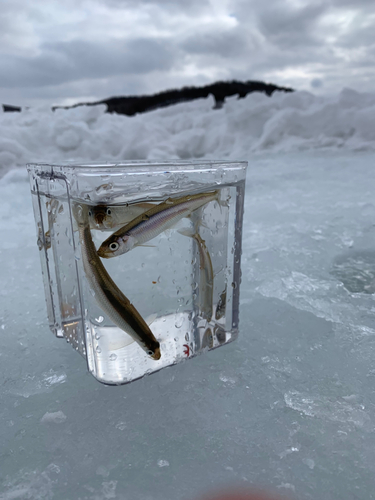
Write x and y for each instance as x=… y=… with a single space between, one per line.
x=289 y=406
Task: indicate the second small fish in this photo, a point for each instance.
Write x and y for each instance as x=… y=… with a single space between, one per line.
x=106 y=217
x=206 y=274
x=153 y=222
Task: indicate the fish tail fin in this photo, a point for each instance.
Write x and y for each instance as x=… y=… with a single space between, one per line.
x=187 y=231
x=220 y=202
x=150 y=319
x=198 y=222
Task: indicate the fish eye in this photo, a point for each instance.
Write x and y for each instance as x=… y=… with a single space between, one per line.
x=113 y=246
x=150 y=353
x=109 y=211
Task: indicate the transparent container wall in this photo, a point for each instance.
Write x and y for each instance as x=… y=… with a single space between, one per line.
x=183 y=282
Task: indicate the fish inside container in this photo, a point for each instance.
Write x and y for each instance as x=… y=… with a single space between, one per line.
x=168 y=294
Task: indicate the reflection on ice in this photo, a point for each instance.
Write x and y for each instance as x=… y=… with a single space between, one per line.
x=344 y=410
x=30 y=385
x=356 y=270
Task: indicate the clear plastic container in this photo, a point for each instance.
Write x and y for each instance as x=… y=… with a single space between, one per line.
x=173 y=293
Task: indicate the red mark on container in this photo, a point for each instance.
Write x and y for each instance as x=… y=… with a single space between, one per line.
x=186 y=350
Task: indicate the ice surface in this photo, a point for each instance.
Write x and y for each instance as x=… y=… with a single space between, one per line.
x=289 y=405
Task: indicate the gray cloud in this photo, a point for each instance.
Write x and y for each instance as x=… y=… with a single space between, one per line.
x=354 y=5
x=359 y=35
x=226 y=44
x=316 y=83
x=76 y=60
x=190 y=6
x=287 y=27
x=98 y=48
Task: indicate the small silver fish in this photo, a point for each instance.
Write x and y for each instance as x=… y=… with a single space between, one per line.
x=208 y=339
x=206 y=275
x=221 y=305
x=110 y=298
x=106 y=217
x=220 y=334
x=44 y=241
x=150 y=224
x=103 y=217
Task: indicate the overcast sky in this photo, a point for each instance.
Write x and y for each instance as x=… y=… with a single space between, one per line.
x=78 y=50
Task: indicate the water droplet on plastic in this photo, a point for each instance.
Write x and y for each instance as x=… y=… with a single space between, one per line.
x=104 y=188
x=112 y=357
x=100 y=319
x=179 y=322
x=98 y=349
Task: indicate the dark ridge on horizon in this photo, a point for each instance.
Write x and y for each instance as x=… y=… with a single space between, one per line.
x=131 y=105
x=8 y=108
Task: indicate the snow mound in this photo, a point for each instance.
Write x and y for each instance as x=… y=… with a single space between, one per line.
x=284 y=122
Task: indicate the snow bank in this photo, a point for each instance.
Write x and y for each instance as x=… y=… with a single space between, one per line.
x=283 y=122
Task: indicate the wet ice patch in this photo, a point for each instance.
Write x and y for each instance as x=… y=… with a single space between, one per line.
x=227 y=380
x=306 y=293
x=30 y=385
x=309 y=462
x=356 y=271
x=57 y=417
x=28 y=485
x=163 y=463
x=336 y=410
x=52 y=378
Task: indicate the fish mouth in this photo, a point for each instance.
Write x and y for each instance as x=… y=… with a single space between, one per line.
x=157 y=354
x=102 y=253
x=99 y=218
